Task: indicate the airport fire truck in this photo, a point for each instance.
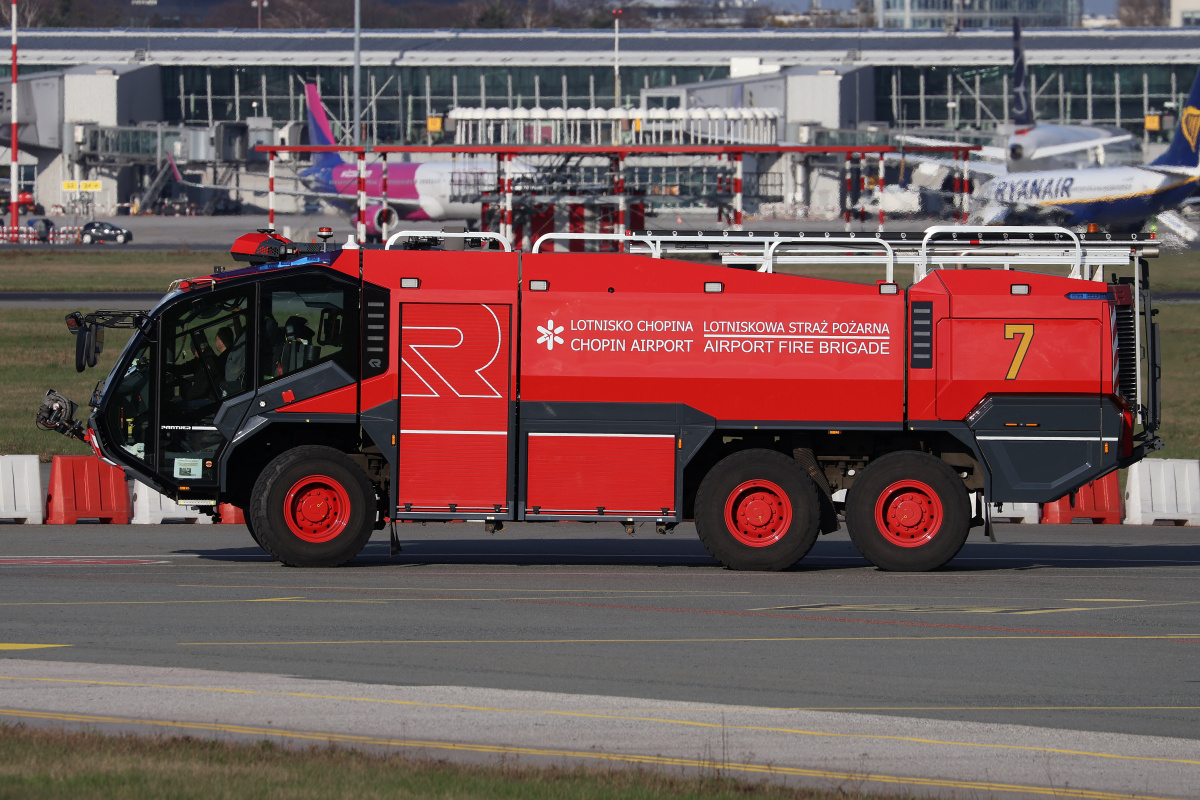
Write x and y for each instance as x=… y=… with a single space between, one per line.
x=679 y=376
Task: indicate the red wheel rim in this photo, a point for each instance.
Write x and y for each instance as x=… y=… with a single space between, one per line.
x=758 y=513
x=909 y=513
x=316 y=508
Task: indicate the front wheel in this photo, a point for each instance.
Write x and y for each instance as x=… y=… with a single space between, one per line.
x=757 y=510
x=312 y=507
x=908 y=512
x=120 y=238
x=86 y=238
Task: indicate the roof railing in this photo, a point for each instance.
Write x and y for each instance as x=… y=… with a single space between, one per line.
x=484 y=235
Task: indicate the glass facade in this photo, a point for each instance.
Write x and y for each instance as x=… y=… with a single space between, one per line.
x=967 y=97
x=966 y=14
x=397 y=102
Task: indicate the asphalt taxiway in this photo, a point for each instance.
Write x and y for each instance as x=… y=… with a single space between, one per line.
x=1059 y=659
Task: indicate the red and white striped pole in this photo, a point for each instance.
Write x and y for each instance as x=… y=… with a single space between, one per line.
x=862 y=188
x=882 y=176
x=13 y=171
x=507 y=214
x=846 y=205
x=385 y=215
x=966 y=201
x=737 y=191
x=271 y=190
x=362 y=197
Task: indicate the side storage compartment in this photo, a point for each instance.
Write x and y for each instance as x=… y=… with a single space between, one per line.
x=600 y=475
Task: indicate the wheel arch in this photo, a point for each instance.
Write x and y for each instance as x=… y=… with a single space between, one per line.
x=243 y=461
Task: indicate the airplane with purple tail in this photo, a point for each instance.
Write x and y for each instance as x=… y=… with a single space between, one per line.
x=415 y=190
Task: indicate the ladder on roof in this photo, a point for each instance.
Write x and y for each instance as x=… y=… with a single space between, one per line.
x=938 y=247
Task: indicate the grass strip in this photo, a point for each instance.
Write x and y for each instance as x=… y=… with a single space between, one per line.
x=118 y=270
x=87 y=765
x=38 y=353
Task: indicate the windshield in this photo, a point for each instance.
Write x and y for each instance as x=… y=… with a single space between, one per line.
x=129 y=413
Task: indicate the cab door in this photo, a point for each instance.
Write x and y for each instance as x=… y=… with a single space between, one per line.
x=455 y=422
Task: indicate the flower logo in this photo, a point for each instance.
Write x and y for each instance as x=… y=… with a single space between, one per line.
x=549 y=334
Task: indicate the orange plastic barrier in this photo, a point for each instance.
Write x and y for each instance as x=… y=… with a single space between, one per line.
x=84 y=487
x=231 y=515
x=1100 y=501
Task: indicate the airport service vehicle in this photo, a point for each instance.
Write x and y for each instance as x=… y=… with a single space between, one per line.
x=331 y=392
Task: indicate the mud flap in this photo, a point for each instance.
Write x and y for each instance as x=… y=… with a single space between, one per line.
x=808 y=462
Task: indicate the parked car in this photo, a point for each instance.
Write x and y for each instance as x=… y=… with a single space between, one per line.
x=98 y=231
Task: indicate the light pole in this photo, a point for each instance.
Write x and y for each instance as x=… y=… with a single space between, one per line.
x=259 y=4
x=14 y=171
x=357 y=72
x=616 y=57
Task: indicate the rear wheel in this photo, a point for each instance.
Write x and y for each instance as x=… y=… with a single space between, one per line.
x=908 y=512
x=312 y=507
x=757 y=510
x=250 y=527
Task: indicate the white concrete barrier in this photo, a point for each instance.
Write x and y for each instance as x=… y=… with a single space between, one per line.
x=152 y=508
x=1024 y=513
x=21 y=495
x=1163 y=490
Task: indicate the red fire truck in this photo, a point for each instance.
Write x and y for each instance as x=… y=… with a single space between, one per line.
x=683 y=376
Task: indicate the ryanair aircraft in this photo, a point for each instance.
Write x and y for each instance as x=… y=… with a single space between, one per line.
x=1033 y=145
x=1118 y=198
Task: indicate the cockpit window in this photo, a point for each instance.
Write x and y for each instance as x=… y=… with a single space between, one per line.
x=1016 y=152
x=307 y=321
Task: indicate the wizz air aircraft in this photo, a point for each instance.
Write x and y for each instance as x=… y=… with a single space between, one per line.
x=1119 y=198
x=1032 y=146
x=415 y=190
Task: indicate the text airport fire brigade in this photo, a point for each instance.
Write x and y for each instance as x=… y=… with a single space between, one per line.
x=330 y=393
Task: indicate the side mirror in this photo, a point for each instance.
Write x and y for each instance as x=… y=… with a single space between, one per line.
x=91 y=344
x=89 y=341
x=81 y=347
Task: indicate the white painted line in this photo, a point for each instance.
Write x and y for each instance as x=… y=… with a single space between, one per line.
x=612 y=435
x=462 y=433
x=1048 y=438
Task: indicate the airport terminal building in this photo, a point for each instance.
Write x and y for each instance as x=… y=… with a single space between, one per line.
x=911 y=79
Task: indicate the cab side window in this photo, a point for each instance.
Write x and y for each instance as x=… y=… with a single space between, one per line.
x=306 y=321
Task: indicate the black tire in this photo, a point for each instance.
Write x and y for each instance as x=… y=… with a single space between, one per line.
x=250 y=527
x=770 y=483
x=908 y=512
x=86 y=238
x=312 y=507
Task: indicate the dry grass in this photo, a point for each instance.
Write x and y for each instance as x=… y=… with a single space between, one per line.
x=41 y=763
x=31 y=270
x=1176 y=272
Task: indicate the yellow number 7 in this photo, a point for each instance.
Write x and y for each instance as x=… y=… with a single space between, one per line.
x=1026 y=334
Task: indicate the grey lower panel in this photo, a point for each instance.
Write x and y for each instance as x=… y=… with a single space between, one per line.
x=1039 y=449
